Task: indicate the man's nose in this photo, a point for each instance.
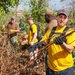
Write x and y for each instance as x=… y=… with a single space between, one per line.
x=62 y=19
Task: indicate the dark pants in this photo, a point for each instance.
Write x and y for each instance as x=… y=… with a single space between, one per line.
x=30 y=48
x=39 y=38
x=33 y=48
x=68 y=71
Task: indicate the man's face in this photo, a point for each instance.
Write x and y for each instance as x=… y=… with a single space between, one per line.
x=20 y=21
x=12 y=20
x=47 y=18
x=29 y=21
x=62 y=20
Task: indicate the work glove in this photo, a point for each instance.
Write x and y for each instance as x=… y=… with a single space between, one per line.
x=12 y=31
x=59 y=40
x=41 y=44
x=3 y=28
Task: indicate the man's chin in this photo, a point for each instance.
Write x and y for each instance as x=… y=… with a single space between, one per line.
x=61 y=25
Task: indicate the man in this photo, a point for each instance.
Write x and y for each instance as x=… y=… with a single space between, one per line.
x=51 y=22
x=50 y=19
x=13 y=29
x=32 y=38
x=60 y=60
x=22 y=26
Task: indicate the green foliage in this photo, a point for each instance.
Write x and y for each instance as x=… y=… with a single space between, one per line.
x=74 y=61
x=71 y=17
x=73 y=57
x=5 y=4
x=5 y=17
x=4 y=8
x=38 y=8
x=1 y=11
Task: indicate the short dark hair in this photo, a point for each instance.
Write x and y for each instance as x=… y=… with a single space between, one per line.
x=30 y=17
x=21 y=20
x=12 y=18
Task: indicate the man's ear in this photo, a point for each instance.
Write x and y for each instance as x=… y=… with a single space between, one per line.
x=66 y=20
x=57 y=17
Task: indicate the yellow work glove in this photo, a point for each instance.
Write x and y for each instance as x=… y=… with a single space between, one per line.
x=12 y=31
x=3 y=28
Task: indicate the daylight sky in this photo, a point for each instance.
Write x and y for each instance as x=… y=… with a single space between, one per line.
x=53 y=4
x=56 y=4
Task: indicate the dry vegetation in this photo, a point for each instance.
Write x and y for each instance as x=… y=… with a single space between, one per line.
x=19 y=63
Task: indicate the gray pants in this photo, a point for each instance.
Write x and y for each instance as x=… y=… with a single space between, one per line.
x=12 y=45
x=14 y=41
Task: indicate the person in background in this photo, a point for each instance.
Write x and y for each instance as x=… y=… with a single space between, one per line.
x=50 y=19
x=32 y=38
x=60 y=61
x=22 y=26
x=12 y=28
x=51 y=22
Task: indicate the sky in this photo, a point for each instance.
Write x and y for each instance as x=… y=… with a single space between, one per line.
x=22 y=5
x=56 y=4
x=53 y=4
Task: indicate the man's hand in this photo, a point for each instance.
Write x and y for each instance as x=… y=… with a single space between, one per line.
x=3 y=28
x=31 y=43
x=41 y=44
x=59 y=41
x=12 y=31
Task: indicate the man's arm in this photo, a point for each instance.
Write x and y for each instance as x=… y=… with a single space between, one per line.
x=34 y=37
x=67 y=47
x=52 y=24
x=34 y=31
x=66 y=44
x=4 y=26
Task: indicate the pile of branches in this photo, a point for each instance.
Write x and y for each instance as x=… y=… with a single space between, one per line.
x=20 y=64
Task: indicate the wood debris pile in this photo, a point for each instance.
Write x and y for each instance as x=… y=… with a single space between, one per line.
x=20 y=64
